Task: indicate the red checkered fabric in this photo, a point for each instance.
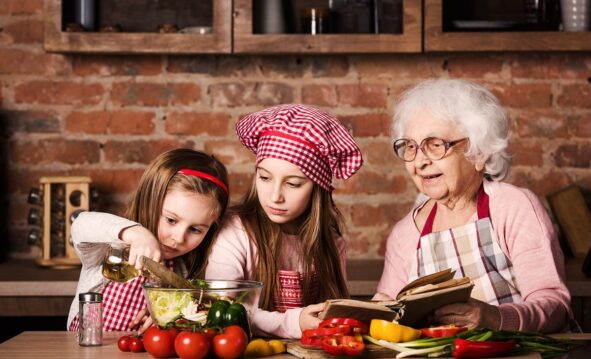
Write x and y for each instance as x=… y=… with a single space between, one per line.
x=309 y=138
x=290 y=294
x=121 y=303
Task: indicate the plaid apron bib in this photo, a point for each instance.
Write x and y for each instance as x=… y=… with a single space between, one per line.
x=472 y=250
x=290 y=293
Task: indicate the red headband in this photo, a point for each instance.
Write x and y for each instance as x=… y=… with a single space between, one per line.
x=190 y=172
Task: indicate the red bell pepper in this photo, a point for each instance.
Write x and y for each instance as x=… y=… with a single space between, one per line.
x=312 y=337
x=342 y=344
x=353 y=346
x=357 y=326
x=476 y=349
x=442 y=331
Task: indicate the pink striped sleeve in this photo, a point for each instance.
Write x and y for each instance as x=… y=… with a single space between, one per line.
x=527 y=236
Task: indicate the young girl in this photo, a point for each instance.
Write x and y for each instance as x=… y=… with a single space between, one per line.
x=173 y=217
x=287 y=230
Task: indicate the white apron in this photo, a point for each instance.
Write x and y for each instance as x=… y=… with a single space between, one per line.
x=472 y=250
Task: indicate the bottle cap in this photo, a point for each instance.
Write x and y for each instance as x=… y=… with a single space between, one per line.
x=90 y=297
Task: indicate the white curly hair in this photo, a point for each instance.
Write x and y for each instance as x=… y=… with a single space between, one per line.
x=475 y=111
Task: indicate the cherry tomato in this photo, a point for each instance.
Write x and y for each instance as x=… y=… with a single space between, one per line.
x=136 y=345
x=191 y=345
x=123 y=343
x=160 y=342
x=231 y=343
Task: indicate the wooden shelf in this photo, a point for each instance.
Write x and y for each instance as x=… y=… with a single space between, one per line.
x=436 y=40
x=218 y=41
x=232 y=32
x=245 y=41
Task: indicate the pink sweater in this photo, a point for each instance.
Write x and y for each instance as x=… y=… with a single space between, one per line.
x=234 y=256
x=527 y=238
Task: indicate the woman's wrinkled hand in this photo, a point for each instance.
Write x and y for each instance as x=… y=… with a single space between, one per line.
x=309 y=316
x=142 y=321
x=142 y=243
x=472 y=314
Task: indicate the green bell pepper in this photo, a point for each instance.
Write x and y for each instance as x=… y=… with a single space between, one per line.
x=223 y=314
x=215 y=315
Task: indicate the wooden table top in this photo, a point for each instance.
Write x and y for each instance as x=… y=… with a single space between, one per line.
x=63 y=345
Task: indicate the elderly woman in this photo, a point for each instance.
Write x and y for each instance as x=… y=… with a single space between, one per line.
x=452 y=136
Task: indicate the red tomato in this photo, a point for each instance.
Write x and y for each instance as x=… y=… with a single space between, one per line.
x=191 y=345
x=123 y=343
x=136 y=345
x=210 y=333
x=231 y=343
x=160 y=342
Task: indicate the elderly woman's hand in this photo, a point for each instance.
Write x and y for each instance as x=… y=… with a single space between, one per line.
x=472 y=314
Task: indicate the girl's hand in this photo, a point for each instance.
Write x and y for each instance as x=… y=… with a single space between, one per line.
x=141 y=320
x=309 y=316
x=142 y=243
x=472 y=314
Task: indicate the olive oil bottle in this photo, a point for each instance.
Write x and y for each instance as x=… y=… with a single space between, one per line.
x=117 y=268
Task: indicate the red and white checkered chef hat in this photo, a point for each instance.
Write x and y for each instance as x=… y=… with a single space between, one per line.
x=311 y=139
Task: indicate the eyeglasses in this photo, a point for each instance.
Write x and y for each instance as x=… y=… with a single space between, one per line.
x=432 y=147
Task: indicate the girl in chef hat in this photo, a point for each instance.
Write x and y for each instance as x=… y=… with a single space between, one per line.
x=173 y=217
x=287 y=230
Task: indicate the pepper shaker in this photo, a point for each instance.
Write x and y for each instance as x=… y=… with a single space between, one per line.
x=90 y=332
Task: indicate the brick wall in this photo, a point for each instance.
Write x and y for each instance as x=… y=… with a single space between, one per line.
x=108 y=116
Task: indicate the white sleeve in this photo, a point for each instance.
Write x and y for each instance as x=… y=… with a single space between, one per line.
x=92 y=233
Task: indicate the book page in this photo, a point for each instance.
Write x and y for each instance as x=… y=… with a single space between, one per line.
x=433 y=278
x=433 y=287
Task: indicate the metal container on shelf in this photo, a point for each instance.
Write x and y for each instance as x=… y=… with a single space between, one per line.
x=85 y=14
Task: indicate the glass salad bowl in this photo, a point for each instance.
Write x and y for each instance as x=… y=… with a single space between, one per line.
x=171 y=305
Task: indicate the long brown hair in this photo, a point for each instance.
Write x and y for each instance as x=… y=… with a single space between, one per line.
x=161 y=177
x=321 y=224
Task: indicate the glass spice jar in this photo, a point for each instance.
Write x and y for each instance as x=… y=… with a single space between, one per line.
x=90 y=332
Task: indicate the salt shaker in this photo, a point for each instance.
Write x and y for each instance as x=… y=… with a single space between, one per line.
x=90 y=332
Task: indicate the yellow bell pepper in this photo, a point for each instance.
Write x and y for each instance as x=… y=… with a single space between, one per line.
x=392 y=332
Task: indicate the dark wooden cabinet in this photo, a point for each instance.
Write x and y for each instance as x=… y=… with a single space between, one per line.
x=219 y=40
x=246 y=41
x=437 y=40
x=232 y=32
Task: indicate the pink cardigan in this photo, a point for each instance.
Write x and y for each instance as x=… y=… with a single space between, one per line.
x=233 y=256
x=527 y=238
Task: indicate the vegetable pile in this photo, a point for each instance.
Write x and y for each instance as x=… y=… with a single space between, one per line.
x=478 y=343
x=337 y=336
x=227 y=343
x=222 y=329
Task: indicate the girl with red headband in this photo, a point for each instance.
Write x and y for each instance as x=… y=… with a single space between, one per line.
x=286 y=232
x=173 y=216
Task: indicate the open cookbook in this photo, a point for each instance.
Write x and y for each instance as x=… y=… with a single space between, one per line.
x=413 y=303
